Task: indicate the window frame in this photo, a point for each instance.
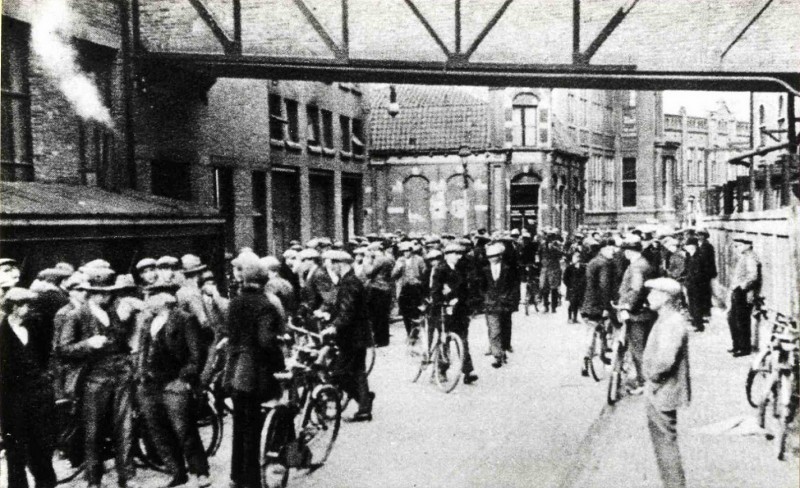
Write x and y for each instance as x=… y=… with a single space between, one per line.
x=313 y=127
x=276 y=119
x=15 y=44
x=346 y=134
x=292 y=132
x=629 y=182
x=328 y=139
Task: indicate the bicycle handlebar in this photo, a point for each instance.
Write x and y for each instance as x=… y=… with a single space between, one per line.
x=305 y=332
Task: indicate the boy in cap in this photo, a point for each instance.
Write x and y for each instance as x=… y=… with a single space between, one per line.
x=146 y=272
x=744 y=287
x=167 y=269
x=666 y=371
x=26 y=392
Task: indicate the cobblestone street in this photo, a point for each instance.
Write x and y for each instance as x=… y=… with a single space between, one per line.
x=537 y=422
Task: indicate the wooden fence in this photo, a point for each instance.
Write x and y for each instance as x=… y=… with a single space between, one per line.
x=776 y=241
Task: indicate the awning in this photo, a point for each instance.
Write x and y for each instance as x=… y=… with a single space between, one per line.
x=740 y=159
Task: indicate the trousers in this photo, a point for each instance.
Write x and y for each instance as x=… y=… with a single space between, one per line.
x=495 y=328
x=663 y=432
x=247 y=422
x=172 y=426
x=107 y=406
x=28 y=435
x=638 y=332
x=380 y=307
x=739 y=320
x=350 y=374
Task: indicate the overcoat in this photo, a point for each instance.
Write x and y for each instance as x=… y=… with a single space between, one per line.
x=349 y=314
x=501 y=296
x=551 y=267
x=665 y=362
x=599 y=287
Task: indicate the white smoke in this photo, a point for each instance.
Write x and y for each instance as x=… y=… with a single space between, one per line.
x=51 y=42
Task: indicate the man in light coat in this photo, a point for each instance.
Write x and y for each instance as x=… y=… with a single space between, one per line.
x=746 y=280
x=666 y=371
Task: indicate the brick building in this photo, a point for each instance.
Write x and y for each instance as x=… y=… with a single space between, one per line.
x=187 y=163
x=451 y=162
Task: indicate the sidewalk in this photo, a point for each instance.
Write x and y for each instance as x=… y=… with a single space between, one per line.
x=618 y=451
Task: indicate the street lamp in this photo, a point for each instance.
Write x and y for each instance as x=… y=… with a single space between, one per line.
x=394 y=107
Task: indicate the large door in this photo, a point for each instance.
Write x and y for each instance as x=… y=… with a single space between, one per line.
x=285 y=207
x=416 y=201
x=351 y=206
x=322 y=214
x=525 y=203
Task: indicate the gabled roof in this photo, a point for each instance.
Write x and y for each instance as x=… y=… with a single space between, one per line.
x=431 y=118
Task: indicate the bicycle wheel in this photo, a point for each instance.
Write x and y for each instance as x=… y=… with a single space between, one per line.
x=275 y=437
x=768 y=411
x=599 y=362
x=615 y=377
x=448 y=360
x=757 y=379
x=417 y=350
x=370 y=361
x=209 y=423
x=787 y=409
x=68 y=455
x=321 y=422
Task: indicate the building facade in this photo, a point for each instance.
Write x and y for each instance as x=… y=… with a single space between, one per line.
x=164 y=161
x=452 y=162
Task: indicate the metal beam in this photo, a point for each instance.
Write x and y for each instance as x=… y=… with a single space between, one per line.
x=323 y=34
x=746 y=28
x=604 y=34
x=576 y=31
x=237 y=26
x=212 y=24
x=458 y=26
x=487 y=28
x=477 y=74
x=345 y=28
x=428 y=27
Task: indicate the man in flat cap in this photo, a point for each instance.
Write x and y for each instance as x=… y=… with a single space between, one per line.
x=378 y=266
x=26 y=391
x=167 y=268
x=95 y=339
x=633 y=303
x=745 y=283
x=146 y=273
x=500 y=300
x=9 y=275
x=666 y=371
x=408 y=273
x=451 y=292
x=349 y=322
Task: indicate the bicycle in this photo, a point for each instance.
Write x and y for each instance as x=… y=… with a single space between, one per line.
x=301 y=428
x=782 y=384
x=599 y=363
x=620 y=363
x=761 y=368
x=434 y=346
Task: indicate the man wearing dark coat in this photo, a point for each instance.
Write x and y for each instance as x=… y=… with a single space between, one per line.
x=575 y=281
x=254 y=356
x=598 y=294
x=698 y=284
x=349 y=322
x=550 y=278
x=26 y=389
x=96 y=340
x=171 y=353
x=451 y=292
x=500 y=299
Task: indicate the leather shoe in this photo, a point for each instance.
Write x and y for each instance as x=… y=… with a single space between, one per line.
x=741 y=353
x=361 y=417
x=496 y=364
x=510 y=349
x=470 y=378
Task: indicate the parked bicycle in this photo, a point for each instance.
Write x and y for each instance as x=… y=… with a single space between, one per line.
x=761 y=368
x=301 y=428
x=432 y=346
x=781 y=396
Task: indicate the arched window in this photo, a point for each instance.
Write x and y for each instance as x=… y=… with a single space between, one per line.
x=525 y=117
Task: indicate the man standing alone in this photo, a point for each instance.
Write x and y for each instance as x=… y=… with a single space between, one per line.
x=746 y=278
x=500 y=299
x=666 y=369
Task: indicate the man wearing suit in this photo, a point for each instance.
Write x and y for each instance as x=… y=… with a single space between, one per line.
x=27 y=393
x=254 y=356
x=349 y=322
x=633 y=303
x=666 y=370
x=95 y=339
x=500 y=299
x=451 y=292
x=169 y=366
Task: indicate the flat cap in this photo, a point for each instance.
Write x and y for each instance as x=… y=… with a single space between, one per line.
x=146 y=263
x=360 y=250
x=97 y=263
x=191 y=264
x=100 y=279
x=691 y=241
x=308 y=254
x=162 y=287
x=632 y=243
x=433 y=254
x=667 y=285
x=53 y=275
x=207 y=275
x=495 y=249
x=454 y=248
x=290 y=253
x=270 y=263
x=168 y=262
x=76 y=281
x=18 y=295
x=8 y=262
x=337 y=256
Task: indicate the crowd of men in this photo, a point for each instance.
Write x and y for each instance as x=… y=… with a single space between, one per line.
x=164 y=332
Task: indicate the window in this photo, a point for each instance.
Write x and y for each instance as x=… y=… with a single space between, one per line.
x=358 y=137
x=761 y=115
x=95 y=140
x=632 y=99
x=276 y=120
x=327 y=129
x=171 y=179
x=292 y=121
x=628 y=182
x=17 y=163
x=571 y=108
x=525 y=118
x=344 y=125
x=313 y=131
